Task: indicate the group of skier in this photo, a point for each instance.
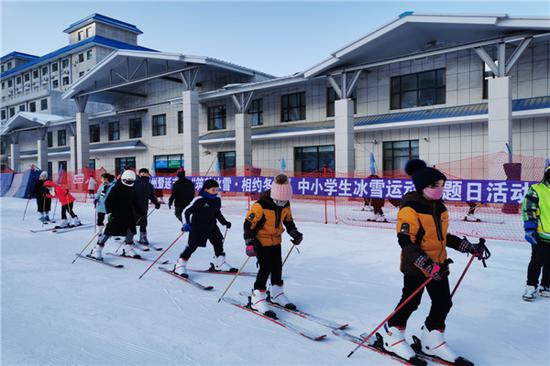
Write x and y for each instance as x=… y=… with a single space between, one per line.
x=422 y=234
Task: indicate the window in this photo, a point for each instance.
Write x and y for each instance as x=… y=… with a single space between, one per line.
x=121 y=164
x=50 y=138
x=88 y=30
x=44 y=70
x=168 y=163
x=159 y=125
x=310 y=159
x=80 y=35
x=3 y=114
x=32 y=107
x=228 y=163
x=89 y=55
x=43 y=104
x=65 y=63
x=27 y=77
x=35 y=74
x=114 y=131
x=65 y=80
x=419 y=89
x=2 y=68
x=91 y=164
x=61 y=138
x=95 y=133
x=293 y=107
x=9 y=65
x=55 y=84
x=10 y=83
x=180 y=122
x=62 y=166
x=12 y=111
x=80 y=74
x=54 y=67
x=80 y=57
x=50 y=168
x=134 y=128
x=18 y=80
x=331 y=99
x=22 y=108
x=397 y=153
x=256 y=112
x=216 y=117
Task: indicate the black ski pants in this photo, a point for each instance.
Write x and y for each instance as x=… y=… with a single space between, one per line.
x=67 y=208
x=198 y=239
x=441 y=302
x=540 y=259
x=270 y=263
x=178 y=212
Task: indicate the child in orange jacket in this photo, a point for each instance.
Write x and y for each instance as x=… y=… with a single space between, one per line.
x=66 y=200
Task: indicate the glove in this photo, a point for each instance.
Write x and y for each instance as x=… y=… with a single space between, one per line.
x=96 y=201
x=110 y=218
x=434 y=270
x=251 y=245
x=297 y=237
x=186 y=228
x=531 y=234
x=169 y=206
x=228 y=224
x=157 y=205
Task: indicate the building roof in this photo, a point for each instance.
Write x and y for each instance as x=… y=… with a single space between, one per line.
x=95 y=40
x=95 y=17
x=428 y=32
x=29 y=120
x=16 y=54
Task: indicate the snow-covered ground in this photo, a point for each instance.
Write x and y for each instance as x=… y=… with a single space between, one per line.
x=58 y=313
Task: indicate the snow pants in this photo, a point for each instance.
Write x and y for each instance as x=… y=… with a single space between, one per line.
x=178 y=212
x=198 y=239
x=540 y=259
x=67 y=208
x=128 y=240
x=270 y=263
x=441 y=302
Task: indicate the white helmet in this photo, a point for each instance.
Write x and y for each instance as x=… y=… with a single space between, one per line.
x=44 y=175
x=128 y=178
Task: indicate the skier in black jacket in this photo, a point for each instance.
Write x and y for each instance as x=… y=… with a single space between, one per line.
x=200 y=222
x=120 y=204
x=145 y=192
x=183 y=192
x=43 y=202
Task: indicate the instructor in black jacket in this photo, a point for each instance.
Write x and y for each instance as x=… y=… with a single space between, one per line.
x=183 y=192
x=145 y=192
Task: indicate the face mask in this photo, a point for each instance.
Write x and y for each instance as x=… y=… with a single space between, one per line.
x=280 y=203
x=434 y=193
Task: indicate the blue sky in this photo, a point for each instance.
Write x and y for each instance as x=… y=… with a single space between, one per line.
x=275 y=37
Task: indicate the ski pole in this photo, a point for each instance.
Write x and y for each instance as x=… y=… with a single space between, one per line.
x=141 y=217
x=392 y=314
x=161 y=254
x=482 y=242
x=288 y=254
x=83 y=249
x=234 y=278
x=25 y=212
x=54 y=209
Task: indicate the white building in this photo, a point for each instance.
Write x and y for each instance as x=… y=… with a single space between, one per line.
x=445 y=88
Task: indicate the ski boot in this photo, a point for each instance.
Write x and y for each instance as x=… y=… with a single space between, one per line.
x=529 y=294
x=277 y=296
x=143 y=238
x=96 y=252
x=221 y=265
x=75 y=222
x=544 y=291
x=472 y=218
x=128 y=251
x=258 y=302
x=433 y=344
x=180 y=268
x=63 y=224
x=392 y=340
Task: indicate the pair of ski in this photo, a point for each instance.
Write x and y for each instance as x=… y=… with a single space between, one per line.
x=65 y=229
x=147 y=247
x=376 y=346
x=116 y=265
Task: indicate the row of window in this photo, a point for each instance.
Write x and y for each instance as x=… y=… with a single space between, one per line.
x=10 y=112
x=61 y=138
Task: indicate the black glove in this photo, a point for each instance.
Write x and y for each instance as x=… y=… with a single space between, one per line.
x=297 y=237
x=169 y=206
x=157 y=205
x=228 y=224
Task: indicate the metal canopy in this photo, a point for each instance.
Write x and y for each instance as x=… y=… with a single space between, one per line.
x=129 y=72
x=419 y=33
x=23 y=120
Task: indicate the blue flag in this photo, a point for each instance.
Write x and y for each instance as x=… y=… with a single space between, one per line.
x=372 y=164
x=283 y=165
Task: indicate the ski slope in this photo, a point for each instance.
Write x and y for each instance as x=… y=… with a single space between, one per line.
x=58 y=313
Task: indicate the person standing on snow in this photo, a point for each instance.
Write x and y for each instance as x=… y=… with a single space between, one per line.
x=200 y=222
x=536 y=223
x=183 y=192
x=145 y=192
x=67 y=200
x=43 y=202
x=422 y=223
x=263 y=228
x=120 y=204
x=92 y=183
x=107 y=183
